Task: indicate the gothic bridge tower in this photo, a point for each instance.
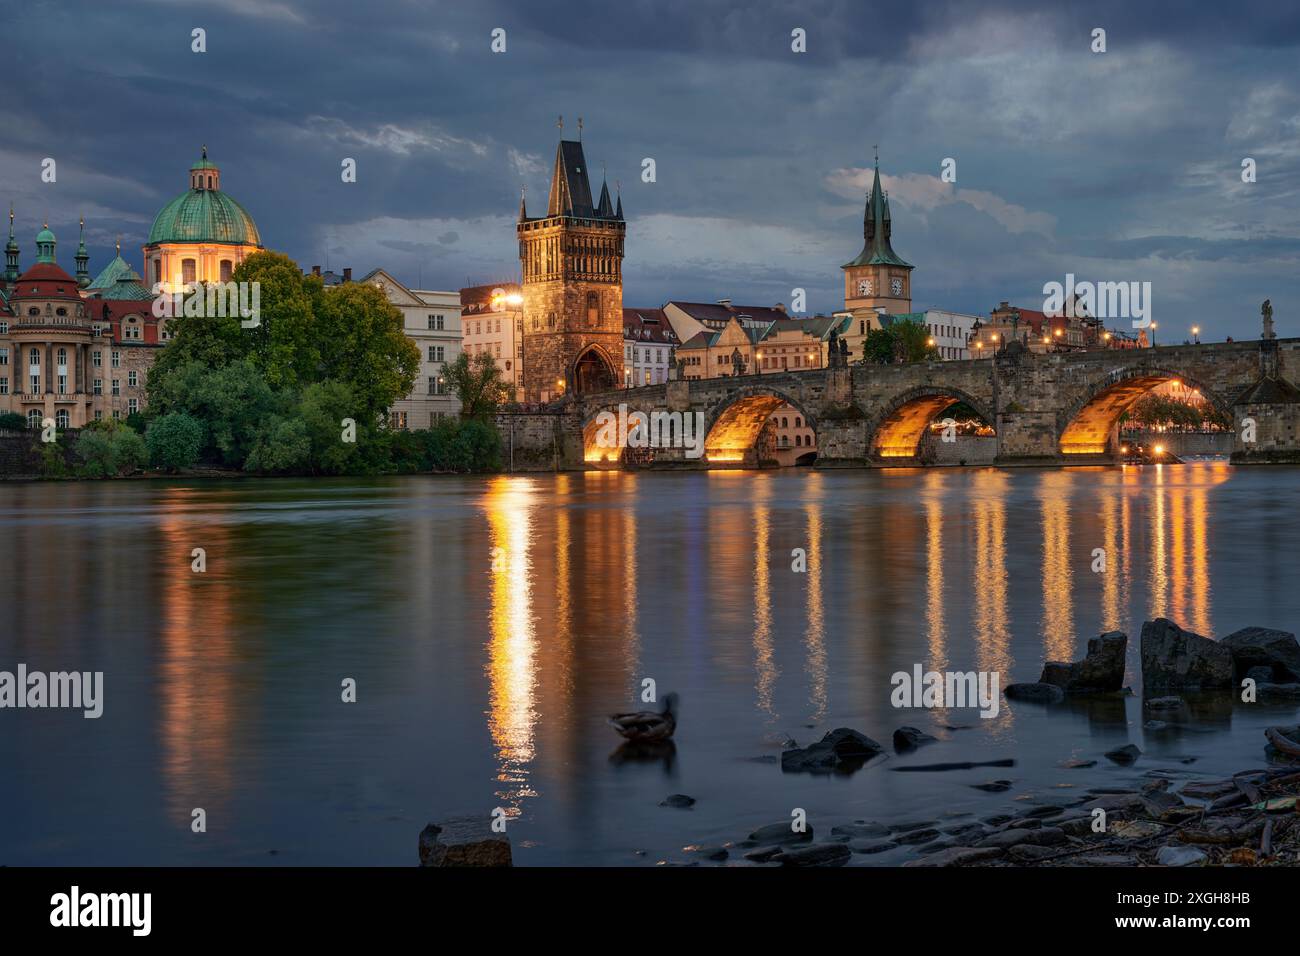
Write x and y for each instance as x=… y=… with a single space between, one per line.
x=572 y=265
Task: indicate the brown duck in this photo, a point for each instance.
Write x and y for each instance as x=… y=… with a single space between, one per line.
x=648 y=725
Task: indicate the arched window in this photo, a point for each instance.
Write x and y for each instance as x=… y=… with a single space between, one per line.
x=226 y=269
x=798 y=422
x=34 y=418
x=61 y=418
x=593 y=310
x=189 y=271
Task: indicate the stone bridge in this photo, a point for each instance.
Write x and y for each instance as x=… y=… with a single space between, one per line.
x=1057 y=408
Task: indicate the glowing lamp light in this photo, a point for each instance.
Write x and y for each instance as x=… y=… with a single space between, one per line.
x=514 y=298
x=1123 y=449
x=1159 y=449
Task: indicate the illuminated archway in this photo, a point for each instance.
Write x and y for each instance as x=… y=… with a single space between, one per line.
x=1090 y=422
x=903 y=424
x=592 y=372
x=734 y=427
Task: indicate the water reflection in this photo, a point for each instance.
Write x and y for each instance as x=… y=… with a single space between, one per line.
x=934 y=563
x=511 y=671
x=766 y=671
x=992 y=630
x=1054 y=494
x=199 y=698
x=814 y=636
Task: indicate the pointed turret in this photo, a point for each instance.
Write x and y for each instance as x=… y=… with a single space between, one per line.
x=11 y=251
x=570 y=187
x=605 y=209
x=82 y=258
x=618 y=213
x=523 y=206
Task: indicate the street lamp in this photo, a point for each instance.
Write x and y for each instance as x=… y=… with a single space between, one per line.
x=1196 y=335
x=1154 y=326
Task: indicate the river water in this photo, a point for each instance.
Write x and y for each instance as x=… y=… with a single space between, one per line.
x=490 y=624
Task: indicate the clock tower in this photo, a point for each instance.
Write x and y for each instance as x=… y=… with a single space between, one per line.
x=878 y=278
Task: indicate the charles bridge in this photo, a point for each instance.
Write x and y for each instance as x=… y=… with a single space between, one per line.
x=1045 y=409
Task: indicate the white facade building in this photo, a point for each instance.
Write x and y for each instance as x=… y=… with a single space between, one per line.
x=432 y=322
x=951 y=332
x=648 y=346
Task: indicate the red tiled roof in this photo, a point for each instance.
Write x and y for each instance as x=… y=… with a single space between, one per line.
x=46 y=280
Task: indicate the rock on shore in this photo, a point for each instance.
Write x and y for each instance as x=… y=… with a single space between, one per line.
x=464 y=841
x=842 y=750
x=1264 y=647
x=1176 y=659
x=1101 y=670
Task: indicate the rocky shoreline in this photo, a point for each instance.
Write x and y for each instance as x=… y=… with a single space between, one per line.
x=1164 y=817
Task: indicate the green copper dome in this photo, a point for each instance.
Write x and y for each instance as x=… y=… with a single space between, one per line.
x=45 y=235
x=204 y=215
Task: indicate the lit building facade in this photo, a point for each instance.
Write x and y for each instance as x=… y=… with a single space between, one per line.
x=572 y=266
x=492 y=320
x=201 y=235
x=72 y=350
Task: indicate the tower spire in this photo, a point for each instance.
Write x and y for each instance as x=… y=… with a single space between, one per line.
x=82 y=258
x=523 y=207
x=11 y=251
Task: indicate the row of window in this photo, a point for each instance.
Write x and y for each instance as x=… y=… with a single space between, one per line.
x=61 y=358
x=189 y=271
x=61 y=385
x=645 y=355
x=63 y=419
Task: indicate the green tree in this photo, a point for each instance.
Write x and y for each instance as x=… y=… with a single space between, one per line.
x=362 y=342
x=12 y=422
x=108 y=449
x=174 y=441
x=903 y=340
x=231 y=402
x=280 y=445
x=286 y=343
x=477 y=383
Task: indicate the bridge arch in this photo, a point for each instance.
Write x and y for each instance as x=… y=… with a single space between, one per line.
x=1086 y=426
x=733 y=425
x=900 y=427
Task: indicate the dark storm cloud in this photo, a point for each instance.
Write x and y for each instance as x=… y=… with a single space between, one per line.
x=1121 y=165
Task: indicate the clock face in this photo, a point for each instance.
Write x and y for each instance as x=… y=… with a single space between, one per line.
x=864 y=287
x=896 y=286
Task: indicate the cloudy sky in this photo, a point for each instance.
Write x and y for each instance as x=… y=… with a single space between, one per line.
x=1123 y=165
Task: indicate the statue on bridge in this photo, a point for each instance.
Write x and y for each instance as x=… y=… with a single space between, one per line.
x=737 y=362
x=1266 y=311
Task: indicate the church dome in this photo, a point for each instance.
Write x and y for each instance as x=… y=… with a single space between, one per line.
x=203 y=213
x=204 y=216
